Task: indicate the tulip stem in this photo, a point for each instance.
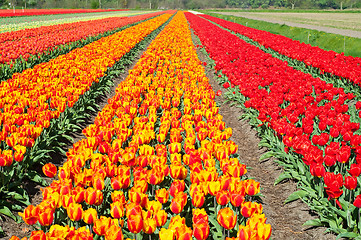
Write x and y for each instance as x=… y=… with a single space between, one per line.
x=150 y=237
x=359 y=219
x=228 y=233
x=224 y=233
x=135 y=236
x=215 y=205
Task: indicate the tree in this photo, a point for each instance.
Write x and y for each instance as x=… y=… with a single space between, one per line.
x=293 y=3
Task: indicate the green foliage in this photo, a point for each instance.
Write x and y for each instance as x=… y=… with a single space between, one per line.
x=94 y=4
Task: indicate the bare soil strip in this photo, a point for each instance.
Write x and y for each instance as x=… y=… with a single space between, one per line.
x=316 y=25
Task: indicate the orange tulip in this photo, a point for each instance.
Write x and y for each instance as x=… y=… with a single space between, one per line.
x=93 y=196
x=133 y=209
x=178 y=202
x=236 y=199
x=162 y=195
x=214 y=187
x=30 y=215
x=252 y=187
x=198 y=199
x=149 y=225
x=222 y=197
x=226 y=218
x=46 y=217
x=98 y=182
x=118 y=196
x=117 y=210
x=201 y=230
x=37 y=235
x=176 y=186
x=178 y=171
x=49 y=170
x=101 y=225
x=90 y=215
x=114 y=233
x=135 y=223
x=166 y=234
x=250 y=208
x=75 y=211
x=161 y=217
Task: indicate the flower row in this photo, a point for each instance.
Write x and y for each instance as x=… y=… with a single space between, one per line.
x=32 y=98
x=327 y=61
x=309 y=116
x=157 y=160
x=27 y=42
x=31 y=12
x=10 y=25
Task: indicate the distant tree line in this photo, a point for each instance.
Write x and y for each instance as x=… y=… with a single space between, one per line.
x=183 y=4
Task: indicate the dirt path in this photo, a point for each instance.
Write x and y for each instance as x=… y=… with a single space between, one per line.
x=343 y=32
x=286 y=220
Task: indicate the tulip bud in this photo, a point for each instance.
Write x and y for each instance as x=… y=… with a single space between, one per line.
x=161 y=217
x=357 y=202
x=49 y=170
x=252 y=187
x=222 y=197
x=201 y=230
x=149 y=225
x=135 y=223
x=226 y=218
x=198 y=199
x=162 y=195
x=90 y=215
x=350 y=182
x=75 y=211
x=30 y=215
x=46 y=217
x=37 y=235
x=117 y=210
x=166 y=234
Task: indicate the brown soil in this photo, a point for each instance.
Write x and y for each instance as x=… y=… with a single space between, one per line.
x=286 y=219
x=325 y=24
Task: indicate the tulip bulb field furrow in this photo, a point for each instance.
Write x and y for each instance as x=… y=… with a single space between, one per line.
x=31 y=99
x=327 y=61
x=157 y=162
x=309 y=118
x=34 y=41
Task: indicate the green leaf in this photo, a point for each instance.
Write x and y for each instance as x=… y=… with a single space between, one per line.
x=313 y=222
x=34 y=176
x=267 y=155
x=347 y=235
x=218 y=233
x=6 y=211
x=282 y=177
x=296 y=195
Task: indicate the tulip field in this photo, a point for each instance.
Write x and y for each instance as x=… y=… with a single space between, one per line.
x=35 y=12
x=157 y=161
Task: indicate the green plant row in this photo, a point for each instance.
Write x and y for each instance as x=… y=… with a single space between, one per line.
x=20 y=64
x=328 y=41
x=54 y=139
